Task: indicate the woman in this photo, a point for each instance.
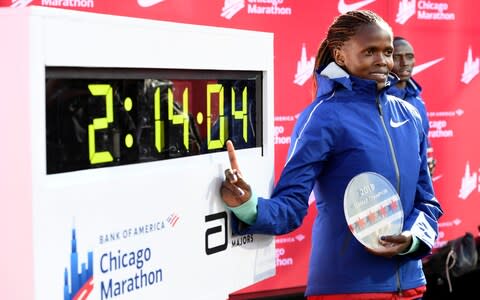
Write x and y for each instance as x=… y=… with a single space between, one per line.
x=352 y=127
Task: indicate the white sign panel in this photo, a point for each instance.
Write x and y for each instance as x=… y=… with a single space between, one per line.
x=127 y=123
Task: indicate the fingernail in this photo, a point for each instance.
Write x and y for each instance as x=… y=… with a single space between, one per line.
x=242 y=193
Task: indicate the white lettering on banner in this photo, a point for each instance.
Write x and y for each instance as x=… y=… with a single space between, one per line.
x=290 y=239
x=69 y=3
x=284 y=240
x=277 y=139
x=278 y=130
x=268 y=10
x=284 y=118
x=437 y=129
x=432 y=5
x=273 y=2
x=426 y=10
x=459 y=112
x=423 y=15
x=454 y=222
x=281 y=262
x=282 y=140
x=255 y=7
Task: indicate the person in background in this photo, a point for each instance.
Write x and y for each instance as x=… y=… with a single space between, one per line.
x=344 y=132
x=407 y=88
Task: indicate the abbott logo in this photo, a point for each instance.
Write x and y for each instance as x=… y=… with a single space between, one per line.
x=20 y=3
x=304 y=67
x=217 y=234
x=469 y=183
x=471 y=67
x=406 y=10
x=231 y=7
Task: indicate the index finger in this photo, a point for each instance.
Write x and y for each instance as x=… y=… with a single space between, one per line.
x=232 y=156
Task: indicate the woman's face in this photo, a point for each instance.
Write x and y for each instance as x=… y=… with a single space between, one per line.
x=368 y=54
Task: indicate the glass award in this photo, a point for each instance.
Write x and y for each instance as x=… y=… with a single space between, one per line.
x=372 y=208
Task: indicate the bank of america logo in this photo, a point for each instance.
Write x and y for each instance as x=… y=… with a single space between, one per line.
x=471 y=67
x=231 y=7
x=172 y=219
x=304 y=67
x=20 y=3
x=80 y=284
x=406 y=10
x=469 y=183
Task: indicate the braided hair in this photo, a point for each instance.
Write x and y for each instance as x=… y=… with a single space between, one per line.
x=343 y=28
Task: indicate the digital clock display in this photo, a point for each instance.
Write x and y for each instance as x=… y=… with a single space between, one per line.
x=99 y=117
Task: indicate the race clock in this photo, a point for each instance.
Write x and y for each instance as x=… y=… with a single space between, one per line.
x=111 y=117
x=113 y=154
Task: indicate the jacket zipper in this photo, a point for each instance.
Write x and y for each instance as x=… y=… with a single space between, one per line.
x=397 y=172
x=392 y=150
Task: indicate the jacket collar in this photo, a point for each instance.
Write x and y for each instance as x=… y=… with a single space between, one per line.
x=333 y=75
x=412 y=89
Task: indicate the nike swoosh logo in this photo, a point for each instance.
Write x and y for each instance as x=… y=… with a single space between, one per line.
x=423 y=67
x=148 y=3
x=397 y=124
x=437 y=178
x=344 y=7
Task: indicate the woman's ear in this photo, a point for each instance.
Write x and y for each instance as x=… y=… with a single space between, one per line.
x=339 y=57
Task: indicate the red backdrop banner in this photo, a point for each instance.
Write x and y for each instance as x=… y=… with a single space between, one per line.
x=444 y=34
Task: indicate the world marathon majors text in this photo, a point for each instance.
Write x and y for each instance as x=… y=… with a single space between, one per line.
x=113 y=262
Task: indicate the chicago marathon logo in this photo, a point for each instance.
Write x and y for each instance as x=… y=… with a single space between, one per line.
x=305 y=67
x=424 y=9
x=78 y=282
x=255 y=7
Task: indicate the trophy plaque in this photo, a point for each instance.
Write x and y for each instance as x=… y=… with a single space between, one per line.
x=372 y=208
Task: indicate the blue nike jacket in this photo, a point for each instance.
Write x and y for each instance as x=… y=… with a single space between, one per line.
x=351 y=128
x=412 y=94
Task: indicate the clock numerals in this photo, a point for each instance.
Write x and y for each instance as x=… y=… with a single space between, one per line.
x=159 y=124
x=100 y=123
x=101 y=118
x=241 y=114
x=177 y=115
x=181 y=117
x=215 y=143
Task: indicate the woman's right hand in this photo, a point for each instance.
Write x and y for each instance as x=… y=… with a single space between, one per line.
x=234 y=191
